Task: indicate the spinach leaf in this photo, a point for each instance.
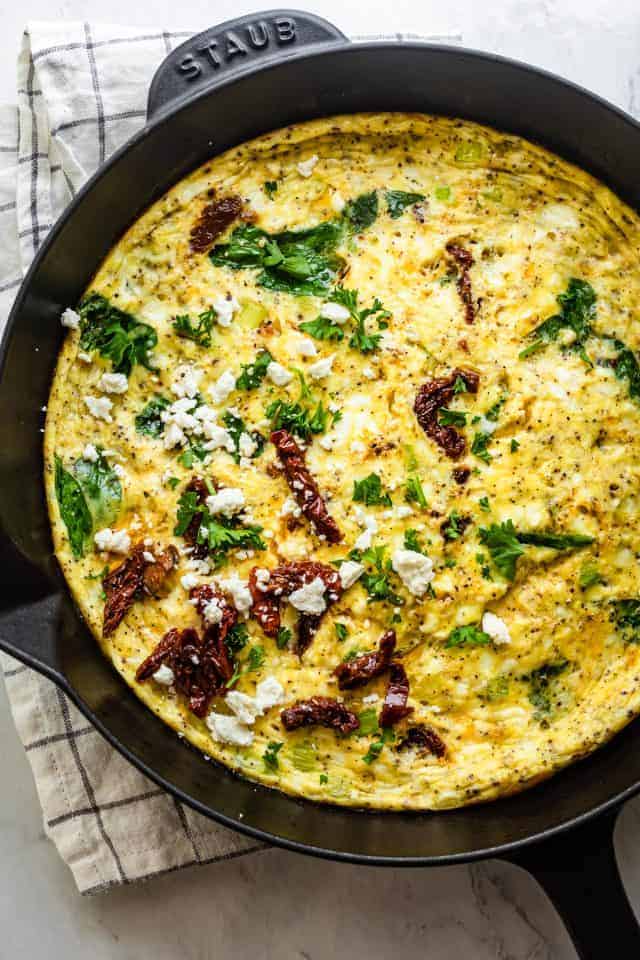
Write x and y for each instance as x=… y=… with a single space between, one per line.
x=557 y=541
x=73 y=509
x=541 y=686
x=116 y=335
x=101 y=488
x=361 y=212
x=626 y=367
x=626 y=616
x=399 y=200
x=577 y=313
x=148 y=421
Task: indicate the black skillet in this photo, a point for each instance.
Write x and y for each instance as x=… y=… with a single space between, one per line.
x=225 y=86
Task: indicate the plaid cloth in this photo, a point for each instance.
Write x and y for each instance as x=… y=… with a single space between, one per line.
x=82 y=92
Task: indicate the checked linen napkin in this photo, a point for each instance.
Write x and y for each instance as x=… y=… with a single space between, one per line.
x=81 y=94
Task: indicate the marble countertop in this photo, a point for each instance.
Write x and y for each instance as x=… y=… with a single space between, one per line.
x=277 y=904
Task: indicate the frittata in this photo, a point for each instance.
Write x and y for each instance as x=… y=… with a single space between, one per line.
x=342 y=456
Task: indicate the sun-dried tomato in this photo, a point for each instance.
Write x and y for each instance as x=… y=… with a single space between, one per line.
x=283 y=580
x=132 y=579
x=214 y=220
x=215 y=634
x=435 y=394
x=395 y=706
x=195 y=668
x=423 y=739
x=304 y=487
x=464 y=262
x=461 y=475
x=322 y=712
x=357 y=672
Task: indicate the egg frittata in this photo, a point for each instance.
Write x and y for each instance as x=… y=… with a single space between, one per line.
x=342 y=456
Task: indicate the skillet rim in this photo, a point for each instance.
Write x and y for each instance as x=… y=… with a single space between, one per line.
x=165 y=115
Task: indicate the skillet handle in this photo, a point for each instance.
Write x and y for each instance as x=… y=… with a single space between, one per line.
x=578 y=871
x=233 y=48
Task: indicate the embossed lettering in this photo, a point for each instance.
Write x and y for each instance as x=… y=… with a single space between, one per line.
x=210 y=49
x=189 y=67
x=285 y=29
x=234 y=46
x=258 y=36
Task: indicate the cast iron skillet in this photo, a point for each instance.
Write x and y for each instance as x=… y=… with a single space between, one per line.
x=223 y=87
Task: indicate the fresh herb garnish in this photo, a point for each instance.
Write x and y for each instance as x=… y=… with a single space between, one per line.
x=237 y=638
x=194 y=451
x=399 y=200
x=116 y=335
x=254 y=373
x=557 y=541
x=324 y=778
x=341 y=631
x=484 y=504
x=270 y=756
x=298 y=419
x=218 y=534
x=502 y=542
x=589 y=576
x=376 y=579
x=386 y=735
x=283 y=638
x=469 y=635
x=480 y=445
x=626 y=367
x=361 y=212
x=454 y=526
x=323 y=329
x=413 y=492
x=369 y=491
x=496 y=689
x=459 y=385
x=200 y=331
x=577 y=313
x=101 y=488
x=411 y=541
x=236 y=427
x=255 y=659
x=270 y=187
x=362 y=339
x=514 y=445
x=452 y=418
x=149 y=421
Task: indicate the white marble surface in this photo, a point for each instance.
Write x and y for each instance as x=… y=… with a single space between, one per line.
x=276 y=904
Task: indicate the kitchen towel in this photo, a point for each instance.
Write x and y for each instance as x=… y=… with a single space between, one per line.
x=82 y=92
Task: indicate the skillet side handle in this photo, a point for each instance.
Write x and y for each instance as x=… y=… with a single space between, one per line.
x=233 y=48
x=578 y=871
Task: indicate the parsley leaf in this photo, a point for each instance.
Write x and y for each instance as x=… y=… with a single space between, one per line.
x=237 y=638
x=376 y=579
x=270 y=756
x=502 y=542
x=341 y=630
x=469 y=635
x=413 y=492
x=452 y=418
x=200 y=331
x=514 y=445
x=116 y=335
x=454 y=526
x=270 y=187
x=283 y=637
x=254 y=373
x=369 y=491
x=411 y=541
x=256 y=658
x=218 y=534
x=236 y=428
x=577 y=313
x=484 y=504
x=479 y=446
x=399 y=200
x=148 y=421
x=298 y=419
x=323 y=329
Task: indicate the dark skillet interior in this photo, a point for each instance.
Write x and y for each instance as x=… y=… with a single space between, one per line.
x=38 y=621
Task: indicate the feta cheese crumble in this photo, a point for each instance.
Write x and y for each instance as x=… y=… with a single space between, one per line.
x=229 y=730
x=335 y=312
x=370 y=524
x=70 y=319
x=306 y=347
x=224 y=385
x=321 y=368
x=305 y=167
x=235 y=729
x=278 y=374
x=113 y=383
x=239 y=591
x=350 y=572
x=112 y=541
x=212 y=612
x=164 y=675
x=225 y=309
x=99 y=407
x=414 y=569
x=496 y=628
x=90 y=453
x=227 y=501
x=309 y=598
x=186 y=381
